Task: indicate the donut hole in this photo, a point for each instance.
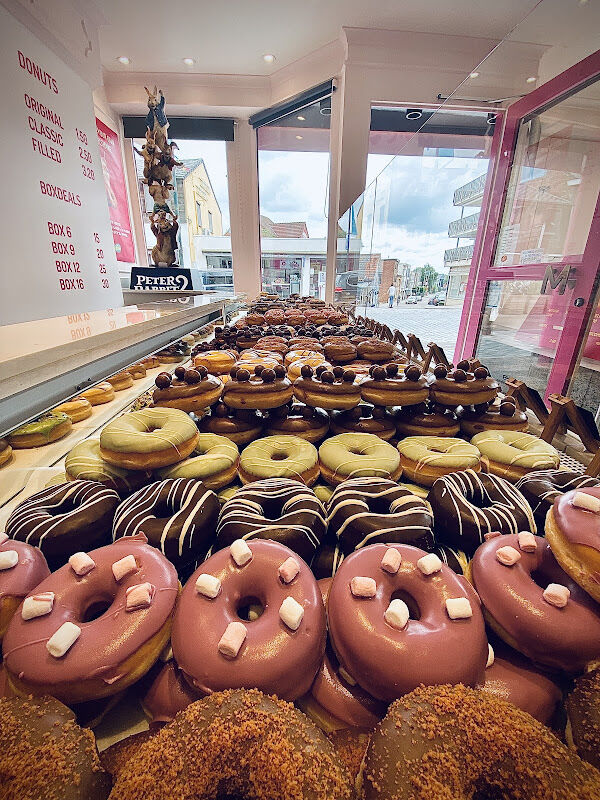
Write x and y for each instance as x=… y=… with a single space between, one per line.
x=279 y=455
x=96 y=608
x=540 y=578
x=250 y=608
x=413 y=606
x=356 y=451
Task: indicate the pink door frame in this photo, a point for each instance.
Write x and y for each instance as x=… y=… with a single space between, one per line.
x=482 y=269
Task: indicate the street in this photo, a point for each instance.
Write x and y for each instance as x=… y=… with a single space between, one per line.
x=437 y=324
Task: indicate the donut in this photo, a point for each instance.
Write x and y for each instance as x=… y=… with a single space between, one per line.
x=148 y=439
x=168 y=694
x=294 y=419
x=388 y=386
x=268 y=653
x=573 y=533
x=364 y=511
x=84 y=462
x=583 y=717
x=512 y=454
x=5 y=452
x=46 y=755
x=268 y=388
x=252 y=746
x=279 y=457
x=242 y=426
x=354 y=455
x=502 y=415
x=214 y=461
x=136 y=371
x=120 y=381
x=22 y=567
x=375 y=350
x=178 y=516
x=76 y=409
x=302 y=353
x=339 y=352
x=462 y=388
x=541 y=489
x=364 y=419
x=305 y=343
x=275 y=508
x=424 y=459
x=192 y=389
x=277 y=344
x=63 y=519
x=150 y=362
x=431 y=647
x=426 y=420
x=99 y=394
x=217 y=362
x=513 y=678
x=48 y=428
x=109 y=636
x=328 y=389
x=467 y=506
x=171 y=355
x=359 y=368
x=456 y=742
x=519 y=607
x=254 y=319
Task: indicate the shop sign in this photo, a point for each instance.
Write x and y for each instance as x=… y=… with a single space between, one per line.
x=558 y=279
x=161 y=279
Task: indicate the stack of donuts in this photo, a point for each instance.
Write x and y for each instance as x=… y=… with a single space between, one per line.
x=344 y=577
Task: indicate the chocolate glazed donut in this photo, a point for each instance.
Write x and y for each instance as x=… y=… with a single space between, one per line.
x=64 y=519
x=276 y=508
x=467 y=505
x=541 y=489
x=178 y=516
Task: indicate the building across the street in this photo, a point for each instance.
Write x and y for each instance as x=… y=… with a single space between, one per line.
x=458 y=259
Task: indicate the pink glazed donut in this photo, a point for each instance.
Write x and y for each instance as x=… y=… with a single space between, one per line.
x=432 y=647
x=28 y=569
x=217 y=648
x=566 y=638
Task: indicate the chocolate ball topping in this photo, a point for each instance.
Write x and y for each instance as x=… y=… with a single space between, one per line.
x=413 y=373
x=348 y=376
x=306 y=371
x=440 y=371
x=191 y=376
x=242 y=375
x=459 y=375
x=163 y=380
x=327 y=376
x=481 y=373
x=180 y=373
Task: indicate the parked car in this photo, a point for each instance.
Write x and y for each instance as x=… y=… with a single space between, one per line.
x=437 y=300
x=412 y=299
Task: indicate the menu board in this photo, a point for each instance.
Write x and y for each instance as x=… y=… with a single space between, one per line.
x=58 y=255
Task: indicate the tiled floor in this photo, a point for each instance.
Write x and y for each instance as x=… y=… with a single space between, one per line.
x=437 y=324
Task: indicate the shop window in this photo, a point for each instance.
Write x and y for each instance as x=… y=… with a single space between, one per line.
x=293 y=176
x=201 y=201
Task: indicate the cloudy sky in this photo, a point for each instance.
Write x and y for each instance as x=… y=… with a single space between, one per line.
x=411 y=201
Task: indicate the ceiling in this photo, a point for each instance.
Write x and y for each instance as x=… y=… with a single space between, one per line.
x=231 y=36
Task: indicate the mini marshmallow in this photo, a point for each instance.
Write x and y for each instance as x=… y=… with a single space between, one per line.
x=3 y=537
x=507 y=555
x=527 y=542
x=458 y=608
x=490 y=658
x=397 y=614
x=429 y=564
x=556 y=594
x=491 y=535
x=232 y=640
x=139 y=596
x=38 y=605
x=291 y=613
x=208 y=585
x=346 y=676
x=8 y=559
x=391 y=560
x=124 y=566
x=363 y=587
x=63 y=639
x=240 y=552
x=288 y=570
x=586 y=501
x=81 y=563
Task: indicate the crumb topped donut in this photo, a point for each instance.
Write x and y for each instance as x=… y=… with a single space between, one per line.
x=583 y=712
x=455 y=742
x=280 y=457
x=276 y=508
x=424 y=459
x=467 y=506
x=398 y=618
x=355 y=455
x=541 y=489
x=252 y=746
x=219 y=646
x=512 y=454
x=22 y=567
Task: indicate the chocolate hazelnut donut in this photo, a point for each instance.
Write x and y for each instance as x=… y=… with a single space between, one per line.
x=239 y=425
x=541 y=489
x=253 y=746
x=426 y=420
x=461 y=388
x=375 y=350
x=389 y=386
x=218 y=645
x=583 y=713
x=364 y=419
x=328 y=389
x=295 y=419
x=497 y=416
x=365 y=511
x=455 y=742
x=191 y=390
x=467 y=505
x=268 y=388
x=46 y=755
x=177 y=515
x=275 y=508
x=339 y=352
x=63 y=519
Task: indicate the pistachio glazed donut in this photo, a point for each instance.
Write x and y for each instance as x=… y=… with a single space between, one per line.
x=424 y=459
x=512 y=454
x=354 y=455
x=280 y=457
x=214 y=461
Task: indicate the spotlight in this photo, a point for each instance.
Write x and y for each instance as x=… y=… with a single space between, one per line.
x=474 y=75
x=269 y=58
x=413 y=113
x=189 y=62
x=123 y=60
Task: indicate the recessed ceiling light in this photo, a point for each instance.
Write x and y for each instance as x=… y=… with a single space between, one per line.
x=189 y=62
x=531 y=79
x=299 y=137
x=301 y=118
x=123 y=60
x=583 y=2
x=269 y=58
x=474 y=75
